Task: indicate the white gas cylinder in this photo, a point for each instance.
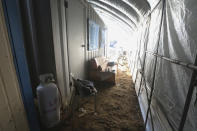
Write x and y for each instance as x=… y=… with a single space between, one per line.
x=48 y=101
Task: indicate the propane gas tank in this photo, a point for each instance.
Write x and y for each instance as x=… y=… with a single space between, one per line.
x=48 y=101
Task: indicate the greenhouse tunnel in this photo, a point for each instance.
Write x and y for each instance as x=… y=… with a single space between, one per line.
x=55 y=36
x=163 y=63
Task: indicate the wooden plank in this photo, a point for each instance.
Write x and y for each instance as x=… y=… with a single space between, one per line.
x=6 y=121
x=12 y=112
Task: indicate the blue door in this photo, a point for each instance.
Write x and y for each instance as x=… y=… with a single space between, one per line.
x=14 y=26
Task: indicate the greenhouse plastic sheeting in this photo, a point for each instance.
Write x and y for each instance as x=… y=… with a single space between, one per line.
x=130 y=11
x=177 y=40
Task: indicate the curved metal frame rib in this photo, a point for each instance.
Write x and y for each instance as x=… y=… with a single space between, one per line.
x=111 y=16
x=115 y=12
x=128 y=22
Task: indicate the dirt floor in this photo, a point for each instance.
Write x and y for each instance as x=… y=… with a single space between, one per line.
x=117 y=108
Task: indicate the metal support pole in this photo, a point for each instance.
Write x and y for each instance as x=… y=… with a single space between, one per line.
x=174 y=61
x=144 y=60
x=142 y=75
x=188 y=98
x=154 y=69
x=191 y=87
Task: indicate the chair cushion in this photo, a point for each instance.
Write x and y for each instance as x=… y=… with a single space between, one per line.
x=101 y=61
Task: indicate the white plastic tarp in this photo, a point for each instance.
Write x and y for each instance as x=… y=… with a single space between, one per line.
x=178 y=39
